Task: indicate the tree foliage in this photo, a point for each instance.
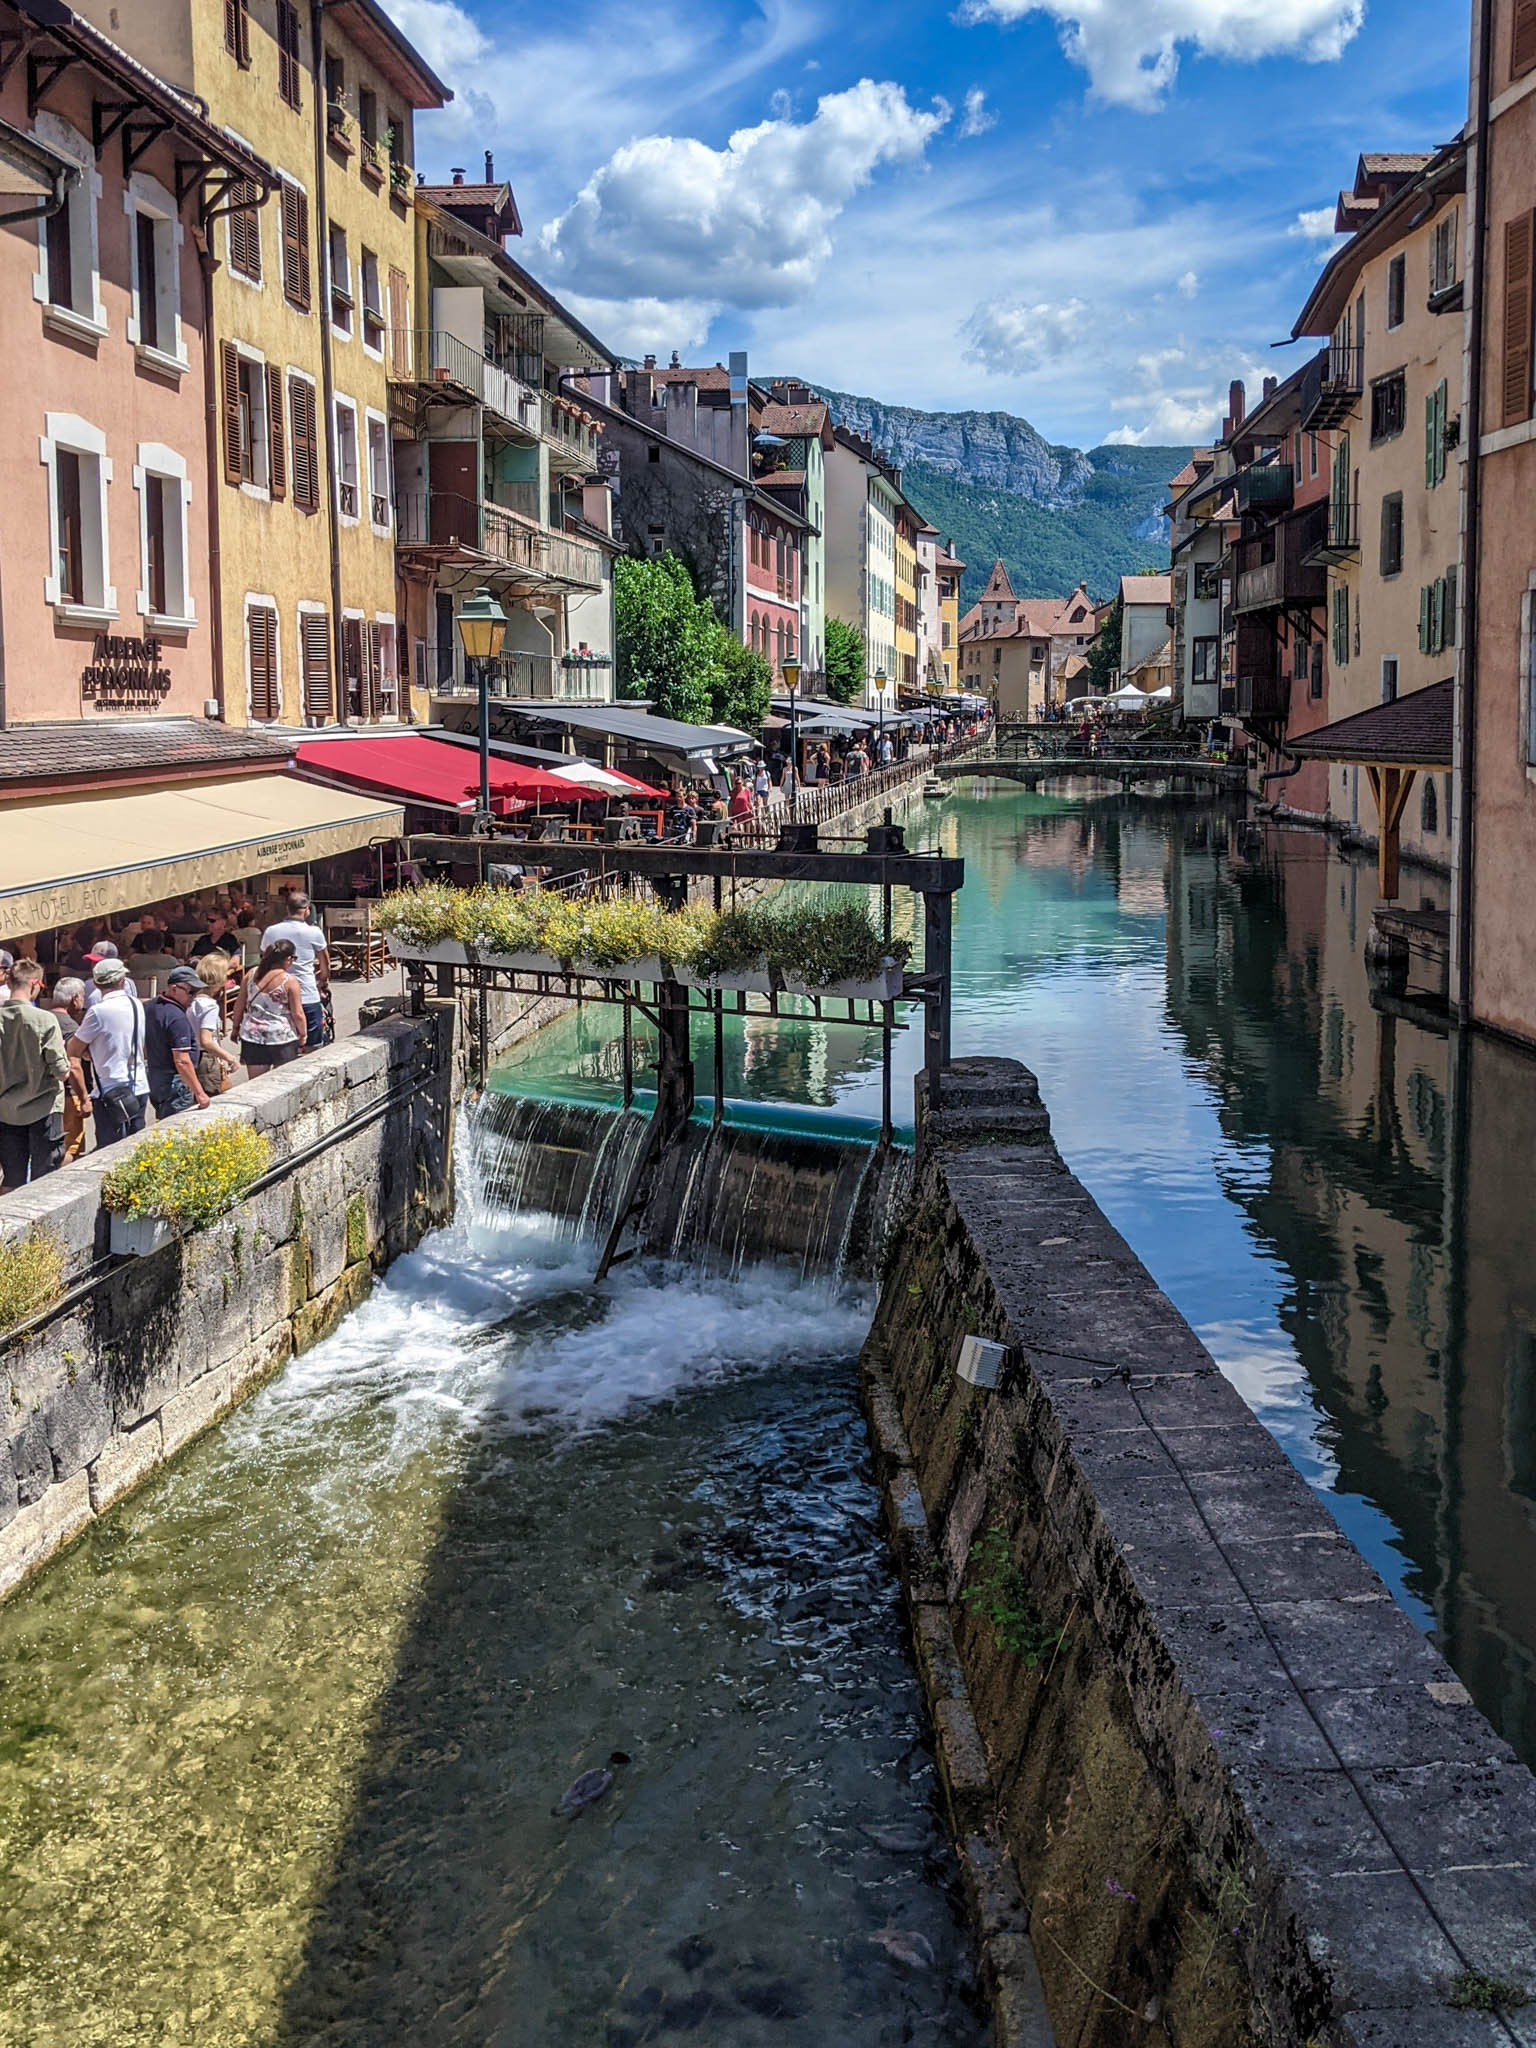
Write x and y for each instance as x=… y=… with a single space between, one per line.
x=1104 y=653
x=845 y=662
x=674 y=653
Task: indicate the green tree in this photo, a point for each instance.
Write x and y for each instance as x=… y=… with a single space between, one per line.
x=845 y=662
x=1104 y=653
x=667 y=640
x=743 y=680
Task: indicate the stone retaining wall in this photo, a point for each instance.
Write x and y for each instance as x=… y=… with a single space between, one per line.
x=1247 y=1800
x=156 y=1348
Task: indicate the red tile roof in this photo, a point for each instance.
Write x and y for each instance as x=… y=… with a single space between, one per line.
x=1411 y=732
x=794 y=422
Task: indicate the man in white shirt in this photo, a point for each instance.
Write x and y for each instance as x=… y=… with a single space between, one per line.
x=112 y=1032
x=311 y=962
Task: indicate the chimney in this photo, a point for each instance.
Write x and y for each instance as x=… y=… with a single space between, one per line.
x=1237 y=403
x=1271 y=386
x=738 y=376
x=638 y=390
x=490 y=169
x=677 y=361
x=650 y=362
x=458 y=174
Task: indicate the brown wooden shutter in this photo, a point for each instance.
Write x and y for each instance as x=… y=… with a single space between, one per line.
x=229 y=361
x=266 y=701
x=245 y=231
x=277 y=452
x=306 y=454
x=296 y=286
x=370 y=689
x=1517 y=320
x=400 y=322
x=237 y=31
x=315 y=652
x=1522 y=56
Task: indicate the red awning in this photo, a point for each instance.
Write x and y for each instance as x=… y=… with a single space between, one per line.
x=640 y=788
x=415 y=769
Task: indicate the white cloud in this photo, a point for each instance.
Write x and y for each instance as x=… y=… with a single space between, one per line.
x=1315 y=224
x=1180 y=396
x=976 y=116
x=1130 y=48
x=1009 y=339
x=781 y=104
x=1189 y=284
x=669 y=219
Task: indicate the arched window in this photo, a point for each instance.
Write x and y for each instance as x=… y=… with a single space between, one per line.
x=1429 y=809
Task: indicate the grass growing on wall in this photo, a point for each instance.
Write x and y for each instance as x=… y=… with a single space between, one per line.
x=31 y=1275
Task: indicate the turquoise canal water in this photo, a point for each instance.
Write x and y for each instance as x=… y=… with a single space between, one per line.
x=1340 y=1206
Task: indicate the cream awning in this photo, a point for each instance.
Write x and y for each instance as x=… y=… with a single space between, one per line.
x=79 y=857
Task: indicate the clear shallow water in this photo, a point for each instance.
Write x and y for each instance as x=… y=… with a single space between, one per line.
x=281 y=1743
x=1341 y=1209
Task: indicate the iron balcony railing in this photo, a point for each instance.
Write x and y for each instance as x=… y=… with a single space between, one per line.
x=1332 y=386
x=1264 y=487
x=1337 y=535
x=445 y=363
x=348 y=495
x=448 y=519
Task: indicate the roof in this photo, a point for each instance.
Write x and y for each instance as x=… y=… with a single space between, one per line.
x=1201 y=458
x=998 y=589
x=1411 y=732
x=36 y=756
x=1074 y=666
x=371 y=29
x=950 y=561
x=414 y=769
x=1146 y=590
x=715 y=378
x=1441 y=174
x=496 y=201
x=794 y=422
x=776 y=479
x=1388 y=162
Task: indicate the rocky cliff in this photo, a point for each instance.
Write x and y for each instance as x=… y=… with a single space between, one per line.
x=996 y=450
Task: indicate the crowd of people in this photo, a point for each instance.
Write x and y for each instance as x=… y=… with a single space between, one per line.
x=128 y=1021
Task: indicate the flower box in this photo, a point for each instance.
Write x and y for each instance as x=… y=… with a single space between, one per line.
x=454 y=953
x=752 y=981
x=441 y=952
x=137 y=1237
x=884 y=989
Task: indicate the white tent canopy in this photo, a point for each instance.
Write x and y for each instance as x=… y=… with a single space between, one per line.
x=1128 y=698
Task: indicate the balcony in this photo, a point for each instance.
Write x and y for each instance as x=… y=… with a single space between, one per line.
x=1337 y=538
x=444 y=366
x=568 y=436
x=1332 y=387
x=1278 y=568
x=539 y=558
x=512 y=675
x=1264 y=487
x=526 y=500
x=1263 y=693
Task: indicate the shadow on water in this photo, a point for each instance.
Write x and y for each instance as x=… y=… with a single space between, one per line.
x=696 y=1602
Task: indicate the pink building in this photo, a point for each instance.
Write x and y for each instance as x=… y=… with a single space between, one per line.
x=773 y=583
x=106 y=611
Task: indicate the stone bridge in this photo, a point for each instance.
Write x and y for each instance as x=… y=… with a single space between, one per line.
x=1182 y=772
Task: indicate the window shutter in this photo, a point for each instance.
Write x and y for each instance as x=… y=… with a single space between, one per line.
x=370 y=676
x=400 y=322
x=230 y=389
x=1522 y=56
x=245 y=231
x=1424 y=603
x=296 y=288
x=306 y=460
x=261 y=623
x=277 y=453
x=1517 y=320
x=315 y=650
x=237 y=31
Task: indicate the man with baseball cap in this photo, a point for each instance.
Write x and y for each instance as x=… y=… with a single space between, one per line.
x=170 y=1045
x=113 y=1033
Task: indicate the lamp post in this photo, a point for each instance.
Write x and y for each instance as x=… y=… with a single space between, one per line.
x=482 y=626
x=790 y=670
x=880 y=682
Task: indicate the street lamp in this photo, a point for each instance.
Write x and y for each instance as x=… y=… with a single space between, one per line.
x=790 y=670
x=482 y=626
x=880 y=682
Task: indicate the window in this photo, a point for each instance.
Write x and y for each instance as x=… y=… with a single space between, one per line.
x=387 y=669
x=1517 y=314
x=341 y=282
x=352 y=663
x=290 y=68
x=237 y=32
x=1522 y=53
x=79 y=471
x=245 y=232
x=335 y=80
x=1389 y=406
x=1315 y=684
x=1301 y=659
x=1340 y=627
x=1397 y=290
x=1437 y=614
x=146 y=282
x=1442 y=252
x=346 y=458
x=1392 y=534
x=1389 y=679
x=1205 y=667
x=368 y=115
x=160 y=477
x=295 y=219
x=1207 y=582
x=251 y=393
x=373 y=300
x=1436 y=407
x=378 y=473
x=1311 y=455
x=315 y=660
x=1429 y=809
x=304 y=443
x=266 y=697
x=66 y=280
x=153 y=323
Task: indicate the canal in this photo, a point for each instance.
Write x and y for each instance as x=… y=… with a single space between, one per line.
x=290 y=1744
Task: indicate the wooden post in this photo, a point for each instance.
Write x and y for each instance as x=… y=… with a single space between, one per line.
x=1389 y=787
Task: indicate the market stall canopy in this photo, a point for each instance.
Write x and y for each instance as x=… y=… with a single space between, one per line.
x=416 y=770
x=1128 y=699
x=88 y=856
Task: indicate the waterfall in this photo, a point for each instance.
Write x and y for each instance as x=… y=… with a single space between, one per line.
x=724 y=1196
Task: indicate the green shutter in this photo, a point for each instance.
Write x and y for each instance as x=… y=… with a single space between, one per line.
x=1429 y=439
x=1424 y=609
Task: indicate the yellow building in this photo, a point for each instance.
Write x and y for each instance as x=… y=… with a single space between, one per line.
x=905 y=642
x=308 y=291
x=950 y=571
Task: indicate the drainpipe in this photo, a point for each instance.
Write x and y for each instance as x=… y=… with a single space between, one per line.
x=207 y=263
x=327 y=371
x=1471 y=528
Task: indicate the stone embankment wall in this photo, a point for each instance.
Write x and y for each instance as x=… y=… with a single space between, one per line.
x=144 y=1353
x=1246 y=1800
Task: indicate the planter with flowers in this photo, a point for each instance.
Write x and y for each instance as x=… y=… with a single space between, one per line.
x=179 y=1179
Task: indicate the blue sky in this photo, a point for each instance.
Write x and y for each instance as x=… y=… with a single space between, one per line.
x=1089 y=212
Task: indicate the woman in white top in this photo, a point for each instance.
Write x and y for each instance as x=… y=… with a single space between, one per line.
x=205 y=1013
x=269 y=1012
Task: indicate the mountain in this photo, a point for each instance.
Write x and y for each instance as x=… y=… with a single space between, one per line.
x=996 y=487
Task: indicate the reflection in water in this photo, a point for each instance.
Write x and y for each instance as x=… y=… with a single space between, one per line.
x=1339 y=1207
